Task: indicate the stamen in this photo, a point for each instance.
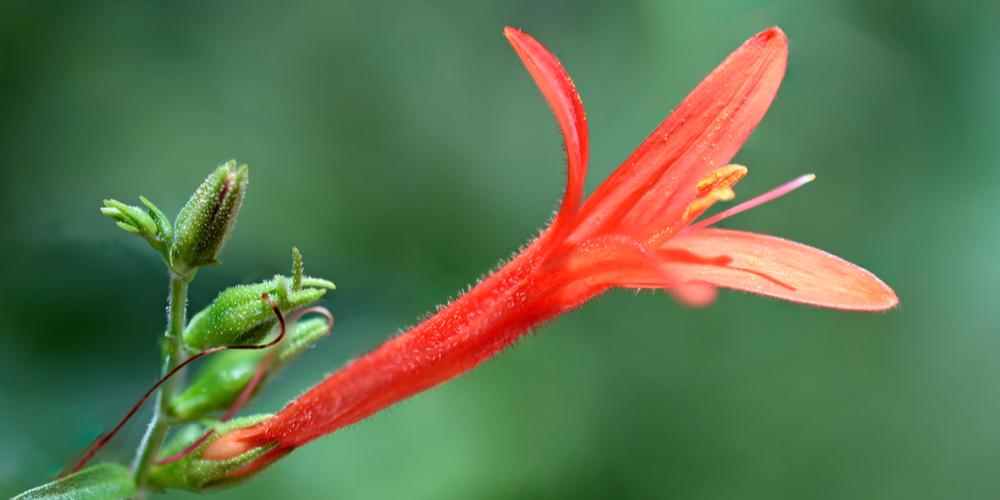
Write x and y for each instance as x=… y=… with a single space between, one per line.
x=716 y=186
x=723 y=178
x=764 y=198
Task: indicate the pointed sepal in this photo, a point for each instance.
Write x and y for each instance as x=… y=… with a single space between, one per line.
x=163 y=226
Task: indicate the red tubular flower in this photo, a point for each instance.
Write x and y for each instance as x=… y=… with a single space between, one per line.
x=634 y=231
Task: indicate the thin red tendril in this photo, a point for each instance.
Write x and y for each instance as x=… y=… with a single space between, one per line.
x=68 y=469
x=237 y=405
x=157 y=385
x=245 y=395
x=265 y=363
x=241 y=401
x=322 y=310
x=187 y=451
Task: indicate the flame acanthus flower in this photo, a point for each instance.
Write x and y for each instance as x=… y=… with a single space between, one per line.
x=634 y=231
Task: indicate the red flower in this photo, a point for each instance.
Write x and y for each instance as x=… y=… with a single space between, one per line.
x=634 y=231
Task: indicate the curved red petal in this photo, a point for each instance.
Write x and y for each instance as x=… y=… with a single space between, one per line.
x=561 y=95
x=707 y=129
x=775 y=267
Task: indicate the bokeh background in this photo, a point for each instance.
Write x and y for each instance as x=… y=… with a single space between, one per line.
x=405 y=150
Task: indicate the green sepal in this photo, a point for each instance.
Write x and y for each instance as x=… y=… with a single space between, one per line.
x=193 y=473
x=163 y=225
x=318 y=282
x=225 y=375
x=297 y=269
x=98 y=482
x=240 y=316
x=206 y=222
x=134 y=220
x=130 y=218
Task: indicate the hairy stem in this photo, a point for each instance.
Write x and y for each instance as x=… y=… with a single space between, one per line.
x=150 y=445
x=175 y=355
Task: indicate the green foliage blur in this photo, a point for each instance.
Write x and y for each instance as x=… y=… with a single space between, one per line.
x=402 y=146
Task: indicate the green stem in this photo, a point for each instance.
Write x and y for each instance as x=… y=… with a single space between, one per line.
x=150 y=445
x=176 y=354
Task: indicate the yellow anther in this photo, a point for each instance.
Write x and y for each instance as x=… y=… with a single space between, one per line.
x=723 y=178
x=716 y=186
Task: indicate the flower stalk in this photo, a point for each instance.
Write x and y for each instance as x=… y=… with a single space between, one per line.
x=176 y=354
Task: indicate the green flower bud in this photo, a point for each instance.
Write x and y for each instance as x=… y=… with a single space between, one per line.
x=193 y=473
x=239 y=316
x=153 y=227
x=99 y=482
x=206 y=222
x=225 y=375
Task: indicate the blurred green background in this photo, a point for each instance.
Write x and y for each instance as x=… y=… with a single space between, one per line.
x=405 y=150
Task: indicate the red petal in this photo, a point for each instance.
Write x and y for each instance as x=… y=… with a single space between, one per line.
x=561 y=94
x=772 y=266
x=707 y=129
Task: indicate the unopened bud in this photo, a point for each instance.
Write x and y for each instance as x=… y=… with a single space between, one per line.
x=206 y=222
x=240 y=316
x=153 y=227
x=193 y=473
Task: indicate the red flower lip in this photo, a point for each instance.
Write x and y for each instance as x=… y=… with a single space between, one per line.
x=634 y=231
